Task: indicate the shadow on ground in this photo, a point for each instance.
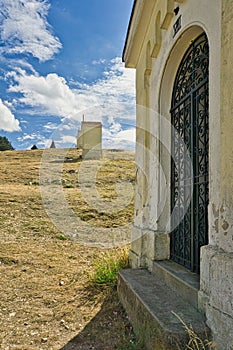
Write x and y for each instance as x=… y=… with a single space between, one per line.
x=108 y=330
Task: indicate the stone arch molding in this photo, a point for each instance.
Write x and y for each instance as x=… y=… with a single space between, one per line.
x=162 y=21
x=164 y=103
x=171 y=65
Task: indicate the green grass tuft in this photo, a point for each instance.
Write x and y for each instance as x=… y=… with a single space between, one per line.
x=107 y=265
x=61 y=237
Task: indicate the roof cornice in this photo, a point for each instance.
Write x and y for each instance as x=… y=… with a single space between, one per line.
x=136 y=32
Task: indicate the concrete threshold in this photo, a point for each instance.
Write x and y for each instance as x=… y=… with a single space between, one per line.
x=182 y=281
x=152 y=308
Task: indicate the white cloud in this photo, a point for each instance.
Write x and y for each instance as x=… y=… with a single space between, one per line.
x=115 y=127
x=35 y=138
x=45 y=143
x=121 y=139
x=128 y=135
x=67 y=139
x=100 y=61
x=49 y=95
x=24 y=29
x=111 y=100
x=50 y=126
x=25 y=137
x=8 y=122
x=16 y=63
x=112 y=96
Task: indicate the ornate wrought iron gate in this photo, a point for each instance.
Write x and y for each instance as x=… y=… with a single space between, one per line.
x=190 y=136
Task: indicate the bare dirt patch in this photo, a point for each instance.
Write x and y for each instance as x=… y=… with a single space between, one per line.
x=46 y=299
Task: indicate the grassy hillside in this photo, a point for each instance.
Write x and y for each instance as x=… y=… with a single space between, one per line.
x=45 y=296
x=22 y=212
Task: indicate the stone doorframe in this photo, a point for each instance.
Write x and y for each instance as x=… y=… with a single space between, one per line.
x=150 y=237
x=165 y=98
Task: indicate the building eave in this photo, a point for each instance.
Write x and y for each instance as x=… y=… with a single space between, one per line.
x=136 y=32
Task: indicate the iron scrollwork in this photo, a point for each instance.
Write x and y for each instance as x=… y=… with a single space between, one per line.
x=189 y=116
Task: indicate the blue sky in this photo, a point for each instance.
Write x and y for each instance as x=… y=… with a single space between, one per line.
x=60 y=59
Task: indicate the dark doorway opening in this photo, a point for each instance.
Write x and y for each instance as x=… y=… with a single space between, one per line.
x=190 y=140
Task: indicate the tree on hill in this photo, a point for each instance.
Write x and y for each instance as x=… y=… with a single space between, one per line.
x=53 y=144
x=5 y=144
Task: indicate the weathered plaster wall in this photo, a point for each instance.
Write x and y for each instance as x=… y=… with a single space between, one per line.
x=217 y=275
x=226 y=127
x=156 y=53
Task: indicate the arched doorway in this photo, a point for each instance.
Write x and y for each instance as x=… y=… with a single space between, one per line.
x=190 y=120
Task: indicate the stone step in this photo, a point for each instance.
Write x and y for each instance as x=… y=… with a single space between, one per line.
x=152 y=308
x=182 y=281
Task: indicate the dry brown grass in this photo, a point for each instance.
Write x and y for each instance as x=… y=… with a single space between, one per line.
x=46 y=298
x=195 y=342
